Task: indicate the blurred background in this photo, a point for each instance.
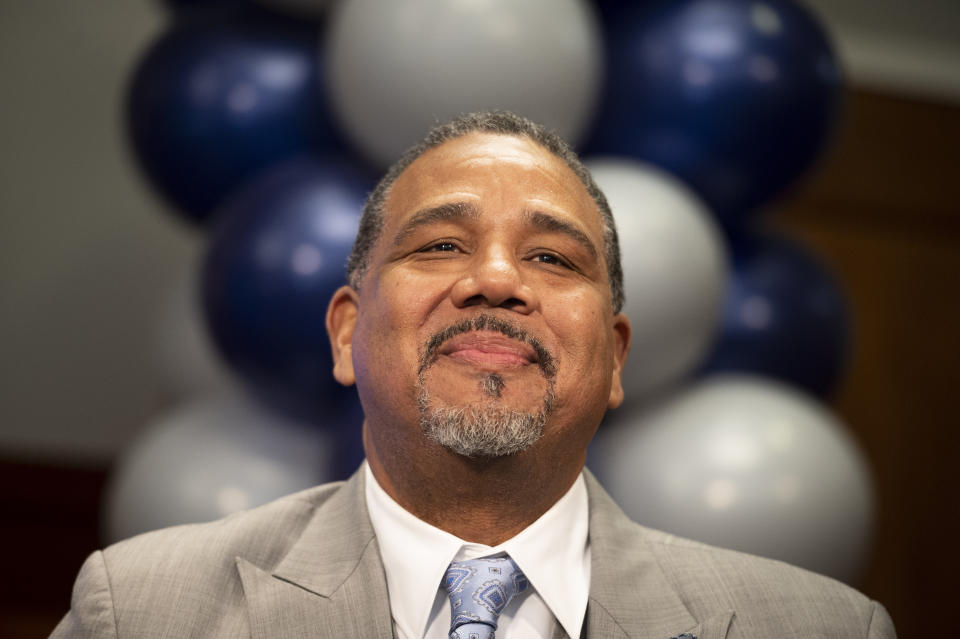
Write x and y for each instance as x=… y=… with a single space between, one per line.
x=180 y=183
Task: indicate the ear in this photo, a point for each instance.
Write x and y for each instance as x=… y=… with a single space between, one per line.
x=341 y=320
x=621 y=348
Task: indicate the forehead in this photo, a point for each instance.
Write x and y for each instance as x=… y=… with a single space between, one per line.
x=487 y=166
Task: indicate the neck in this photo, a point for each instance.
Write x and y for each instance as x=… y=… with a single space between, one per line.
x=480 y=500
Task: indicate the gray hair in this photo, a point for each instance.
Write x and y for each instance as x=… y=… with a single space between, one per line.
x=497 y=122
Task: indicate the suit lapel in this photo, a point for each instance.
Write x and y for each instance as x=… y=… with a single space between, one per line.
x=629 y=594
x=714 y=627
x=330 y=584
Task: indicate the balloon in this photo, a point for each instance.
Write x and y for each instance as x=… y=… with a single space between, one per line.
x=398 y=67
x=784 y=317
x=301 y=8
x=310 y=9
x=735 y=97
x=185 y=359
x=610 y=11
x=748 y=464
x=674 y=267
x=208 y=459
x=222 y=96
x=192 y=4
x=275 y=257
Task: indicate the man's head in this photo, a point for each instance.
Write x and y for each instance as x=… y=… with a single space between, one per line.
x=481 y=317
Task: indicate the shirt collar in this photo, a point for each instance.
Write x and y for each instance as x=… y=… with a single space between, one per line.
x=552 y=552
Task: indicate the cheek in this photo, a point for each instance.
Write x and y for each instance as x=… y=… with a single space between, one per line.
x=390 y=324
x=384 y=358
x=582 y=322
x=586 y=345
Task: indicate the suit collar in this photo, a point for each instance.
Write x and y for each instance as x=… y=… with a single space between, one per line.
x=330 y=583
x=338 y=536
x=630 y=596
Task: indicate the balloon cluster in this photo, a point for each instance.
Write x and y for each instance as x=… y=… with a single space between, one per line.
x=737 y=330
x=263 y=122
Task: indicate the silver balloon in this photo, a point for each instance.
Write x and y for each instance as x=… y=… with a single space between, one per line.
x=675 y=271
x=748 y=464
x=208 y=459
x=398 y=67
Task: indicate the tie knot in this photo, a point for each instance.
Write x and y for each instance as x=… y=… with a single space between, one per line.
x=479 y=590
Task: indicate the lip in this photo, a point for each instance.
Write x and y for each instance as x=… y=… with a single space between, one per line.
x=489 y=350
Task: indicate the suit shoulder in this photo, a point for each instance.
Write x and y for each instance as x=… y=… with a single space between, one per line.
x=763 y=591
x=208 y=551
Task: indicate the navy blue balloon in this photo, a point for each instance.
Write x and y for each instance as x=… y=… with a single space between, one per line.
x=223 y=95
x=736 y=97
x=610 y=11
x=784 y=317
x=277 y=252
x=191 y=4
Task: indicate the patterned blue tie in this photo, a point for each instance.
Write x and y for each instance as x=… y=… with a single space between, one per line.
x=479 y=590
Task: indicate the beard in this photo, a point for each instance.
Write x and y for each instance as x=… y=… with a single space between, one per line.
x=485 y=429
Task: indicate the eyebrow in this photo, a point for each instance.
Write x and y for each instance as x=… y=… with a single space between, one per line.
x=443 y=213
x=467 y=210
x=553 y=224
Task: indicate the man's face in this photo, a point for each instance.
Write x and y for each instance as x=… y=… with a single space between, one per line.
x=487 y=296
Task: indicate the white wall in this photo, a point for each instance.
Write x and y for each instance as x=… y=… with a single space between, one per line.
x=84 y=246
x=902 y=46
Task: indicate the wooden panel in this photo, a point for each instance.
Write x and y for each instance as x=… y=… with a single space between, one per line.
x=895 y=162
x=884 y=215
x=48 y=526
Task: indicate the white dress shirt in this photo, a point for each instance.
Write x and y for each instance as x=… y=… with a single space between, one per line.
x=553 y=552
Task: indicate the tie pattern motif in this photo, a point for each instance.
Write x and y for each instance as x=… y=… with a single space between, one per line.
x=479 y=590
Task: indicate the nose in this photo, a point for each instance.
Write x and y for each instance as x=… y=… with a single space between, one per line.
x=493 y=278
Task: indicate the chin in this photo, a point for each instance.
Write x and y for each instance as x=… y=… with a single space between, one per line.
x=481 y=430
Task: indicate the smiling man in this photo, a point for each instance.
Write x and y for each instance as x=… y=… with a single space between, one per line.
x=481 y=327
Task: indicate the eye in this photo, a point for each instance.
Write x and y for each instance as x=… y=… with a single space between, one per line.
x=550 y=258
x=439 y=247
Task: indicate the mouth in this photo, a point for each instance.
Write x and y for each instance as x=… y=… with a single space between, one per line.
x=487 y=342
x=489 y=350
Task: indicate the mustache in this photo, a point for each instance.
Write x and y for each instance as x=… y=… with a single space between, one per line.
x=493 y=323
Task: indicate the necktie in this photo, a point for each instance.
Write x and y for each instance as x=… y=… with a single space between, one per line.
x=479 y=590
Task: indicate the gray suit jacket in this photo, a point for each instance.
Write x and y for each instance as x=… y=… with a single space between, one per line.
x=308 y=565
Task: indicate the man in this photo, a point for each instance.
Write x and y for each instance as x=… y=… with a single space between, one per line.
x=482 y=329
